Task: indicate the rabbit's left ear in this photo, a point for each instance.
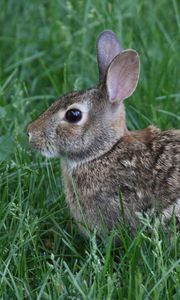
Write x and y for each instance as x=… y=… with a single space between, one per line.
x=107 y=48
x=122 y=76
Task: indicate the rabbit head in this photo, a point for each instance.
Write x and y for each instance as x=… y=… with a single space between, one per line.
x=83 y=125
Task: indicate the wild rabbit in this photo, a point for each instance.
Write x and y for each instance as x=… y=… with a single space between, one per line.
x=100 y=159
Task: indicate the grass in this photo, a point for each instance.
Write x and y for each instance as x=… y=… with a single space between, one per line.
x=47 y=48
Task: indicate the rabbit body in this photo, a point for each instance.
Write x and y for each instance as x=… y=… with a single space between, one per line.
x=110 y=173
x=142 y=167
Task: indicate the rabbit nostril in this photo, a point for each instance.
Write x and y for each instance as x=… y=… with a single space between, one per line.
x=29 y=135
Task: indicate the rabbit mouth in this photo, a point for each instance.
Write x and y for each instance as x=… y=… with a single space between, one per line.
x=46 y=150
x=49 y=153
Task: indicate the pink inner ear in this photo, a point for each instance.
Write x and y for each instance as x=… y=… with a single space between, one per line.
x=122 y=75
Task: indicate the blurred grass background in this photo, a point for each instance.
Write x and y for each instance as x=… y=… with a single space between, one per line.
x=47 y=48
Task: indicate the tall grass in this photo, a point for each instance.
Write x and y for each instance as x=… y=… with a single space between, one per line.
x=47 y=48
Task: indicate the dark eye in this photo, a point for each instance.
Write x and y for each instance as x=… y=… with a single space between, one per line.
x=73 y=115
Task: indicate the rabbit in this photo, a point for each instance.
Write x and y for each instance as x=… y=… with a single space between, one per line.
x=110 y=174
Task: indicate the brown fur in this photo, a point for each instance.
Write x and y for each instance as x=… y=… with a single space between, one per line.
x=144 y=167
x=102 y=160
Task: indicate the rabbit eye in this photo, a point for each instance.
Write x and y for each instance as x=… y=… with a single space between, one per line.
x=73 y=115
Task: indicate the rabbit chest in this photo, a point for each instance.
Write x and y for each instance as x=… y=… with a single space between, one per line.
x=94 y=190
x=90 y=201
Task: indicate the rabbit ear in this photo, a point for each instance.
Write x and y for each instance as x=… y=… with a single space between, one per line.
x=107 y=47
x=122 y=75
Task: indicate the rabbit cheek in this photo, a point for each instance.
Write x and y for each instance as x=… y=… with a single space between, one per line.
x=69 y=139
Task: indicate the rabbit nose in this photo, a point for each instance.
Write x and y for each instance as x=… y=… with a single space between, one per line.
x=29 y=135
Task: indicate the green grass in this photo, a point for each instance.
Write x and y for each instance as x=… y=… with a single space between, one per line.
x=47 y=48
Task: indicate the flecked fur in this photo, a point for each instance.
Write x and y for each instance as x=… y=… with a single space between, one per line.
x=102 y=161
